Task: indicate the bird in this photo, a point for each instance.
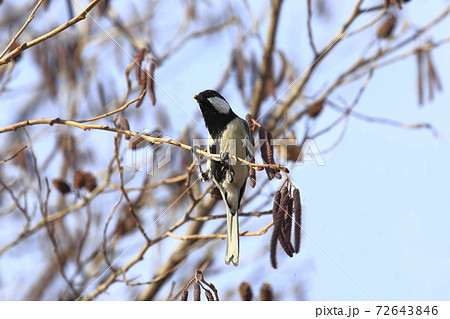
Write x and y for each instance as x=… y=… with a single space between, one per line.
x=227 y=134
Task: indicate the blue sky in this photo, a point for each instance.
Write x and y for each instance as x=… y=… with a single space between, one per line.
x=376 y=216
x=379 y=207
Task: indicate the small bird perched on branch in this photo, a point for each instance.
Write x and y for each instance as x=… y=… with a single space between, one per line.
x=228 y=134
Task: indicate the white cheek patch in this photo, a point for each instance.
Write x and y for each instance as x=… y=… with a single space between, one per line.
x=219 y=104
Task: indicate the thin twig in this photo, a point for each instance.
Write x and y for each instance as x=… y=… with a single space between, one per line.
x=266 y=61
x=130 y=207
x=30 y=17
x=221 y=236
x=120 y=109
x=154 y=140
x=81 y=16
x=296 y=88
x=310 y=34
x=12 y=157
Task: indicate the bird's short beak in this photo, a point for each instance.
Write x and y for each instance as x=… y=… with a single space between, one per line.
x=198 y=97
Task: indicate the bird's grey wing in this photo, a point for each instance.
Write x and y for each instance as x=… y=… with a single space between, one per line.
x=247 y=142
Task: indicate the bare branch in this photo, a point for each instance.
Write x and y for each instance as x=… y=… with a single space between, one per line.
x=266 y=62
x=12 y=157
x=27 y=22
x=81 y=16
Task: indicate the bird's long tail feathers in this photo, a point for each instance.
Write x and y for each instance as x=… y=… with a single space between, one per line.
x=232 y=254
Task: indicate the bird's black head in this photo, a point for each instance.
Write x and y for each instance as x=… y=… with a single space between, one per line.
x=216 y=111
x=212 y=101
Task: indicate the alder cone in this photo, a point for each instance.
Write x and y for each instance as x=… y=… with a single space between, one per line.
x=245 y=291
x=385 y=30
x=61 y=186
x=315 y=109
x=265 y=294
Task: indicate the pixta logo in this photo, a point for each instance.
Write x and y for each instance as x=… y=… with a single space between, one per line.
x=146 y=156
x=289 y=150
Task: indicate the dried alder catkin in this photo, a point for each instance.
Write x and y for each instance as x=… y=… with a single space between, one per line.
x=265 y=294
x=90 y=182
x=273 y=241
x=151 y=82
x=184 y=295
x=280 y=219
x=287 y=214
x=276 y=203
x=79 y=180
x=251 y=171
x=138 y=64
x=197 y=291
x=245 y=291
x=298 y=220
x=267 y=150
x=122 y=123
x=287 y=227
x=314 y=109
x=385 y=30
x=61 y=186
x=209 y=295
